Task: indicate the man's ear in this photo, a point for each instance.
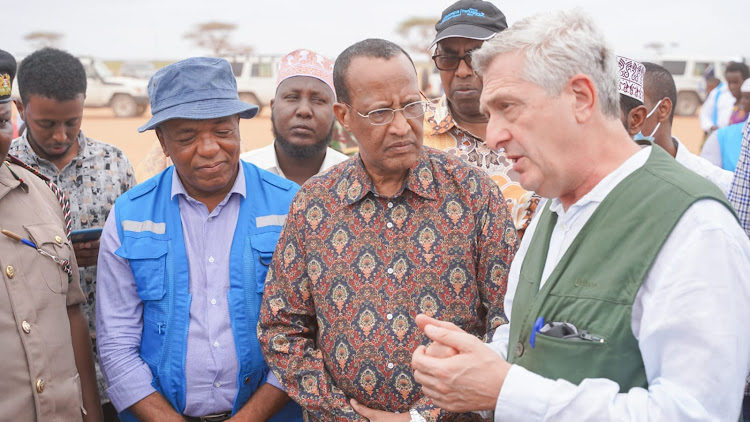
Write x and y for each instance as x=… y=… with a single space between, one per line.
x=583 y=91
x=636 y=119
x=160 y=136
x=664 y=110
x=341 y=111
x=19 y=107
x=271 y=104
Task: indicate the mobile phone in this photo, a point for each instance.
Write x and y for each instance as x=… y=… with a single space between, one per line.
x=85 y=235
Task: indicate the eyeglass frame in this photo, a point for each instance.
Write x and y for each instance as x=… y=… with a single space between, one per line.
x=392 y=110
x=466 y=59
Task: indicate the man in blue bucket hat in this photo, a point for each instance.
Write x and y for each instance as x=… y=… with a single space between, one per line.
x=178 y=302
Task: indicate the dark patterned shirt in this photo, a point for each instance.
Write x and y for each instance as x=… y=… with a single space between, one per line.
x=352 y=269
x=92 y=181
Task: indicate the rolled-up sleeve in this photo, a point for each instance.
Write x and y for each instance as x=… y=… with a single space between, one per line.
x=119 y=324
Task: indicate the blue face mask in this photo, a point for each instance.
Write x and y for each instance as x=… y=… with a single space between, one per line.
x=639 y=137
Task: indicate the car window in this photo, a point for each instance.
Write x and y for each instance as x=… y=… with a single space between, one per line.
x=700 y=68
x=261 y=70
x=675 y=67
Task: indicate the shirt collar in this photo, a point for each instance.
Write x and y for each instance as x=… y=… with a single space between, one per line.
x=606 y=185
x=355 y=183
x=29 y=152
x=438 y=119
x=239 y=185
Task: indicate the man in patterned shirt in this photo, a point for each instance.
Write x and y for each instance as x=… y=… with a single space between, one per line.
x=456 y=125
x=52 y=84
x=401 y=229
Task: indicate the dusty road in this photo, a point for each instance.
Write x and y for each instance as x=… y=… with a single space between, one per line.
x=102 y=125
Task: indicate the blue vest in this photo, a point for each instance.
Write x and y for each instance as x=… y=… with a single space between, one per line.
x=730 y=144
x=150 y=231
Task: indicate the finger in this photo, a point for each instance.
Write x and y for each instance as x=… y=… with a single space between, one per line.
x=423 y=320
x=459 y=340
x=361 y=409
x=439 y=350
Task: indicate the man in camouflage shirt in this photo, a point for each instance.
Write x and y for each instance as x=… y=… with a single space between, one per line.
x=52 y=84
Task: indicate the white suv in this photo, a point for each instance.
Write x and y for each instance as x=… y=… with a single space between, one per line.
x=128 y=97
x=256 y=78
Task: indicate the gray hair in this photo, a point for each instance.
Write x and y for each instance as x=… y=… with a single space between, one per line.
x=558 y=45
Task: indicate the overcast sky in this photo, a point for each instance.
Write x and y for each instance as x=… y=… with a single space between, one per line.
x=154 y=29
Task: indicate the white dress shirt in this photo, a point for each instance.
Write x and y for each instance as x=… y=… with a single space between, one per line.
x=725 y=105
x=265 y=158
x=722 y=178
x=689 y=319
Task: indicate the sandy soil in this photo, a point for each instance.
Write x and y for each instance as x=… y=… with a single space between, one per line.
x=102 y=125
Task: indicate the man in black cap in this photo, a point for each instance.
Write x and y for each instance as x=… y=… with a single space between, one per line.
x=47 y=364
x=457 y=125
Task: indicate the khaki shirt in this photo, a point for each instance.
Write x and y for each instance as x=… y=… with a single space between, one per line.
x=39 y=377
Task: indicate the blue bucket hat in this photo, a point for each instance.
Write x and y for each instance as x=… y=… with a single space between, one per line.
x=198 y=88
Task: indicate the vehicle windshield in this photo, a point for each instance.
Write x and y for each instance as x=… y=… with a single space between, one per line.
x=102 y=70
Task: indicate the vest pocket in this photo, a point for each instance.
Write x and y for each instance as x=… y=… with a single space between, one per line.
x=553 y=357
x=263 y=245
x=148 y=258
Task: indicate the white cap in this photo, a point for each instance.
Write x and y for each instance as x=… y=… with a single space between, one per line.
x=631 y=77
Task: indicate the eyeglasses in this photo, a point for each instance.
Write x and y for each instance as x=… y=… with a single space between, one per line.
x=383 y=116
x=451 y=61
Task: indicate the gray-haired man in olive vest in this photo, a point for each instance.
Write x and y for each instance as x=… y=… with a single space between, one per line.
x=628 y=295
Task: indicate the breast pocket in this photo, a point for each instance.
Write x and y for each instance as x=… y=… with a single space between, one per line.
x=263 y=245
x=52 y=239
x=148 y=261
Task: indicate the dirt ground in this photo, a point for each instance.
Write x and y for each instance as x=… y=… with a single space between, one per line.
x=123 y=132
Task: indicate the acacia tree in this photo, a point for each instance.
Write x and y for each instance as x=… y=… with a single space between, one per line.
x=217 y=38
x=41 y=39
x=417 y=33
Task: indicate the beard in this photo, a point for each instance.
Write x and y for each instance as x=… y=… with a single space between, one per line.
x=302 y=152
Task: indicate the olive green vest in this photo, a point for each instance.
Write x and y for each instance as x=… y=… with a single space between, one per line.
x=595 y=283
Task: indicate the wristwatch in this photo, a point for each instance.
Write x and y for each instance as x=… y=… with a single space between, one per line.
x=415 y=416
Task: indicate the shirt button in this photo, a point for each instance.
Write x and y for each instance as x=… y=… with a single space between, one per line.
x=390 y=205
x=389 y=316
x=58 y=239
x=565 y=227
x=217 y=384
x=389 y=225
x=390 y=365
x=390 y=270
x=211 y=259
x=40 y=384
x=26 y=327
x=216 y=343
x=10 y=271
x=519 y=350
x=213 y=301
x=246 y=380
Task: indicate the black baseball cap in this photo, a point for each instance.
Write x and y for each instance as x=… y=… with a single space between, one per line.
x=474 y=19
x=7 y=73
